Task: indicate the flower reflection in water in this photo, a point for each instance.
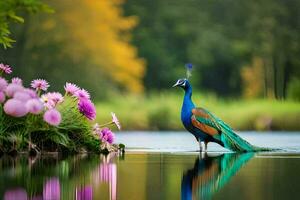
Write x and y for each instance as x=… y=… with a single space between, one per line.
x=51 y=189
x=210 y=174
x=18 y=193
x=47 y=178
x=106 y=173
x=84 y=193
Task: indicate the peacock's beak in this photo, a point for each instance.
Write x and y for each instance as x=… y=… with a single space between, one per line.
x=175 y=85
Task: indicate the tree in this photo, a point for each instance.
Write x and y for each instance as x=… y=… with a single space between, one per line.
x=86 y=42
x=220 y=38
x=10 y=12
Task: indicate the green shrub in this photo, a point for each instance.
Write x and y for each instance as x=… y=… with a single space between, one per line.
x=293 y=91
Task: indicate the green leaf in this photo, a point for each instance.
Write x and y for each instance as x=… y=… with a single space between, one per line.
x=13 y=16
x=59 y=138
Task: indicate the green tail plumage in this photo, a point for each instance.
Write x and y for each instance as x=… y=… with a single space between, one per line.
x=234 y=142
x=229 y=138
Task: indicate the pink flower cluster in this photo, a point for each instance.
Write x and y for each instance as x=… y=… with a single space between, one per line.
x=105 y=134
x=85 y=105
x=19 y=101
x=52 y=99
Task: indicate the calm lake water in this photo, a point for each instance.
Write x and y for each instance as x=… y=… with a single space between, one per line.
x=163 y=165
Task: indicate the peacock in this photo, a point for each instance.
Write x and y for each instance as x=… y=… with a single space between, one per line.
x=206 y=127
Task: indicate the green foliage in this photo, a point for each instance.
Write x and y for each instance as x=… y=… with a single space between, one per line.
x=160 y=118
x=163 y=112
x=74 y=133
x=219 y=37
x=294 y=89
x=10 y=11
x=93 y=53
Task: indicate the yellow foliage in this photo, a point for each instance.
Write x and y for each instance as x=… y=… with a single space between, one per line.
x=253 y=78
x=98 y=31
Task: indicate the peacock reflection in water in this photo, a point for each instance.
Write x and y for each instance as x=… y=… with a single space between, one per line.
x=210 y=173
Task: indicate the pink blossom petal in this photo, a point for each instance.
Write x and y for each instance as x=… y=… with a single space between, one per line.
x=52 y=117
x=107 y=135
x=5 y=68
x=3 y=84
x=82 y=94
x=34 y=106
x=15 y=108
x=17 y=80
x=40 y=84
x=87 y=108
x=115 y=120
x=2 y=97
x=22 y=96
x=71 y=88
x=12 y=89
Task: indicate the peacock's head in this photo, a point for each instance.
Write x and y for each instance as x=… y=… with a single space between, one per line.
x=183 y=83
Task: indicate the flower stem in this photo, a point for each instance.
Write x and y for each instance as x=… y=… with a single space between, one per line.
x=107 y=124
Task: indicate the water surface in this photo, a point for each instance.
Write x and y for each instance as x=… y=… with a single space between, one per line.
x=160 y=166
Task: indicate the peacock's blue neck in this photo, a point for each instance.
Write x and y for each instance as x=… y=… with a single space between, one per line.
x=187 y=106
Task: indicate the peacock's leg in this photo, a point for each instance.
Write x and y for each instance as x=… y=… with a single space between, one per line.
x=200 y=144
x=205 y=146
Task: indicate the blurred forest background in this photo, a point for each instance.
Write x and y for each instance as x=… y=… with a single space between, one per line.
x=128 y=53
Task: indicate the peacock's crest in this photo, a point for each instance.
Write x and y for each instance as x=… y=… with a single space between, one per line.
x=189 y=67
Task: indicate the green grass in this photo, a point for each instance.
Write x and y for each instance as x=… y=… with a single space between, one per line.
x=162 y=112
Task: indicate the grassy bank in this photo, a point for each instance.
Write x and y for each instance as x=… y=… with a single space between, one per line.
x=162 y=112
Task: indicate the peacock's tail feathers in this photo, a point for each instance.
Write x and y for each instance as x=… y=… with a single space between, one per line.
x=235 y=143
x=231 y=140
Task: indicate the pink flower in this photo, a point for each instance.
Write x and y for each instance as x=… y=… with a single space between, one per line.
x=15 y=108
x=17 y=80
x=51 y=99
x=115 y=120
x=87 y=108
x=71 y=88
x=5 y=68
x=3 y=84
x=52 y=117
x=56 y=97
x=2 y=97
x=31 y=92
x=22 y=96
x=107 y=135
x=49 y=105
x=40 y=84
x=12 y=89
x=96 y=127
x=97 y=130
x=34 y=106
x=82 y=94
